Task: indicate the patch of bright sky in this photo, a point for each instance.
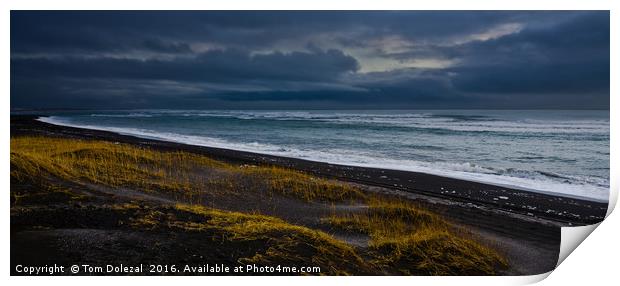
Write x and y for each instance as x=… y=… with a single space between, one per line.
x=490 y=34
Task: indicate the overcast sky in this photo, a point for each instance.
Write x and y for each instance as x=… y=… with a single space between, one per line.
x=340 y=60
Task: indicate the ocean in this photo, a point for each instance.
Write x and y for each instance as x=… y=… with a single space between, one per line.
x=559 y=152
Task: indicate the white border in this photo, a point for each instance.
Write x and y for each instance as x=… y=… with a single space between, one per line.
x=594 y=262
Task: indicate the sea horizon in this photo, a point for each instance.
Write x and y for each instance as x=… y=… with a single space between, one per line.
x=442 y=152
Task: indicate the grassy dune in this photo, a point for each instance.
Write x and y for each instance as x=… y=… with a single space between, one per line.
x=121 y=165
x=404 y=237
x=412 y=240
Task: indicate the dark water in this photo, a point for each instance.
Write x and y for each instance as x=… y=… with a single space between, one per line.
x=562 y=152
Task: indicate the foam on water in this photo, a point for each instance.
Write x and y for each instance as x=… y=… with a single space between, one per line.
x=421 y=120
x=387 y=134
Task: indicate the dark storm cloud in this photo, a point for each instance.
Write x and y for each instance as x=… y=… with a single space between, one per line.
x=563 y=63
x=268 y=59
x=158 y=45
x=219 y=66
x=34 y=30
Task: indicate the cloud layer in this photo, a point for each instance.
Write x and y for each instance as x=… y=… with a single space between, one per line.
x=310 y=59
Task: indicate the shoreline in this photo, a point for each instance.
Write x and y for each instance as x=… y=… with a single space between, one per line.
x=559 y=210
x=457 y=175
x=515 y=234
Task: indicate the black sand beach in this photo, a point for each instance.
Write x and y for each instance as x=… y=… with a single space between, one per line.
x=524 y=225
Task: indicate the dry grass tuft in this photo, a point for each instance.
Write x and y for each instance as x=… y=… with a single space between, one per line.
x=309 y=188
x=414 y=241
x=283 y=243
